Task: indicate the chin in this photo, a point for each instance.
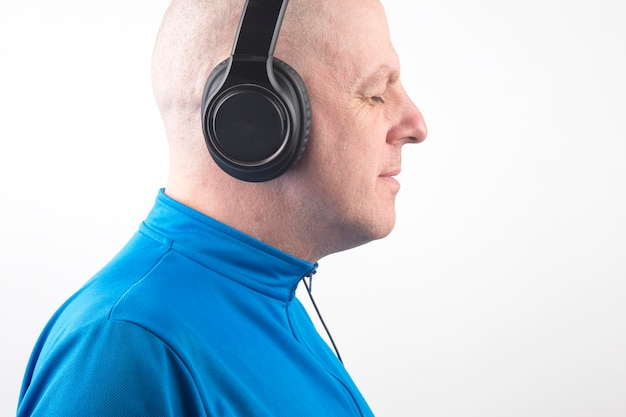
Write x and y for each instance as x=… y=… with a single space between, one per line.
x=356 y=235
x=385 y=230
x=357 y=227
x=380 y=227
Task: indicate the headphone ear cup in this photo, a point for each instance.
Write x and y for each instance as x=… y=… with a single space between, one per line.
x=290 y=81
x=254 y=131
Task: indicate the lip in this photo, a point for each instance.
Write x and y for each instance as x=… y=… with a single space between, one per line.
x=388 y=177
x=391 y=173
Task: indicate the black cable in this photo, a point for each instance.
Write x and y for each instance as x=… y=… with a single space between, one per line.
x=308 y=290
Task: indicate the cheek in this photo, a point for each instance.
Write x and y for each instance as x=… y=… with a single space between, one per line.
x=346 y=144
x=325 y=140
x=336 y=147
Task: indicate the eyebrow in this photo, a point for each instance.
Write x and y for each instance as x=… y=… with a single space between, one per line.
x=382 y=73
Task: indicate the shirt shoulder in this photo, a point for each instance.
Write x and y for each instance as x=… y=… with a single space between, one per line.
x=111 y=368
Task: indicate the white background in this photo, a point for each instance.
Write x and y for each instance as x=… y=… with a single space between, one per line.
x=502 y=291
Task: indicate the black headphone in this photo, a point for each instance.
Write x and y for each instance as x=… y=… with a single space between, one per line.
x=256 y=115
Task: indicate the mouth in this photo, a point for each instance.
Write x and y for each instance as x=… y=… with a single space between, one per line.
x=392 y=172
x=389 y=177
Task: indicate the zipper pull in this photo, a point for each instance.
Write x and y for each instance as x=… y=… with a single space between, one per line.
x=309 y=275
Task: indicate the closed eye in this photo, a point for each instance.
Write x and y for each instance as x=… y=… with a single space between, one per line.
x=377 y=99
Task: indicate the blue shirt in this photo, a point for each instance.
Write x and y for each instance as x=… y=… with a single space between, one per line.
x=191 y=318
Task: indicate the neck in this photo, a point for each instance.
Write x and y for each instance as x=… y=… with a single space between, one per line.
x=265 y=211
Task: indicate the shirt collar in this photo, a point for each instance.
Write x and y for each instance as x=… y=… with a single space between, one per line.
x=225 y=250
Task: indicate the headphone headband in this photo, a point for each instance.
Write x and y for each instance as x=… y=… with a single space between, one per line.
x=258 y=28
x=256 y=115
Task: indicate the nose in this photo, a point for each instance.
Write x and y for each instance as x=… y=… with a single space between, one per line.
x=410 y=126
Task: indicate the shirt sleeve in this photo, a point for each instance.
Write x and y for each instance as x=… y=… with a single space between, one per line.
x=110 y=368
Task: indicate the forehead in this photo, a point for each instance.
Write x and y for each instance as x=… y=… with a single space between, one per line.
x=363 y=46
x=366 y=24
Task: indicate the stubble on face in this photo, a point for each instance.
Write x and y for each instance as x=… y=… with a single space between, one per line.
x=347 y=153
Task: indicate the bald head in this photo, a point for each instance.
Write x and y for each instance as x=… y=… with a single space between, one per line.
x=193 y=36
x=196 y=35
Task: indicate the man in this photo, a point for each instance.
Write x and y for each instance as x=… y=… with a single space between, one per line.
x=197 y=316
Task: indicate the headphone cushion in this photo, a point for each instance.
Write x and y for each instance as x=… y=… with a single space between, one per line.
x=283 y=72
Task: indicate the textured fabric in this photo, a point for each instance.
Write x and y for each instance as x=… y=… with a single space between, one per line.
x=191 y=318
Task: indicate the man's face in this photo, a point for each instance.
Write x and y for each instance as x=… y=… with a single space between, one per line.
x=361 y=118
